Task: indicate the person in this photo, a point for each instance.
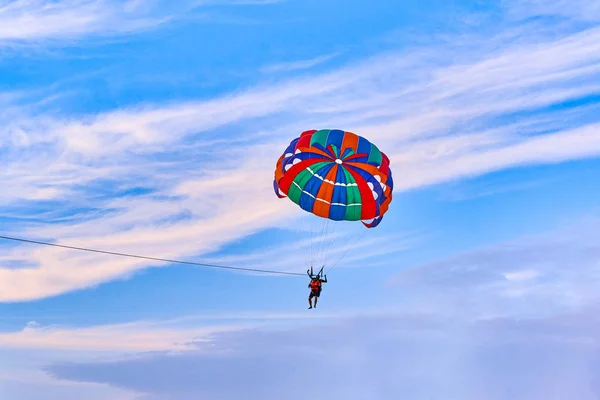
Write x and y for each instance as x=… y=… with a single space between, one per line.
x=315 y=287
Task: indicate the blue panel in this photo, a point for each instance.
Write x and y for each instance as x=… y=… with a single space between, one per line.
x=337 y=213
x=364 y=147
x=335 y=137
x=306 y=202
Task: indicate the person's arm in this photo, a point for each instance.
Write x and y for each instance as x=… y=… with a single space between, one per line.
x=324 y=280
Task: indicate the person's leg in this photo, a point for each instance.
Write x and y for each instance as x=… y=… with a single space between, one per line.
x=316 y=299
x=310 y=301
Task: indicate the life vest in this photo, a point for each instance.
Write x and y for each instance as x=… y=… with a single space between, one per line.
x=315 y=285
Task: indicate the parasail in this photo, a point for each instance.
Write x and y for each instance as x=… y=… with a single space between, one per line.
x=336 y=175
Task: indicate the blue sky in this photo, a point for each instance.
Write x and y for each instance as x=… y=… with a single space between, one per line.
x=153 y=127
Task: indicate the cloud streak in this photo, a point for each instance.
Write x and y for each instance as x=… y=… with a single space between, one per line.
x=582 y=10
x=36 y=20
x=553 y=272
x=133 y=337
x=63 y=21
x=300 y=65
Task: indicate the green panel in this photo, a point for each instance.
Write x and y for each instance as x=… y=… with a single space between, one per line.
x=302 y=179
x=294 y=194
x=353 y=213
x=336 y=151
x=375 y=155
x=352 y=197
x=316 y=167
x=320 y=137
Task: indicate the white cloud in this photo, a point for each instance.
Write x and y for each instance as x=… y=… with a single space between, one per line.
x=35 y=385
x=523 y=275
x=38 y=344
x=301 y=64
x=581 y=9
x=243 y=2
x=34 y=20
x=556 y=271
x=479 y=158
x=133 y=337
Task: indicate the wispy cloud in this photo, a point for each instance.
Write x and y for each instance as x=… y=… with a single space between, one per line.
x=29 y=350
x=336 y=247
x=133 y=337
x=243 y=2
x=460 y=193
x=35 y=20
x=544 y=273
x=32 y=385
x=43 y=21
x=580 y=9
x=439 y=118
x=300 y=64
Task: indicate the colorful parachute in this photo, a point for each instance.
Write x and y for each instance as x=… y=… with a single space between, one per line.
x=336 y=175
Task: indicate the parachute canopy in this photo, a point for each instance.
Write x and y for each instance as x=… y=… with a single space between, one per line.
x=336 y=175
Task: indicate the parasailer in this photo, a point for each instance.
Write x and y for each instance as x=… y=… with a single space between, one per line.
x=337 y=176
x=315 y=285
